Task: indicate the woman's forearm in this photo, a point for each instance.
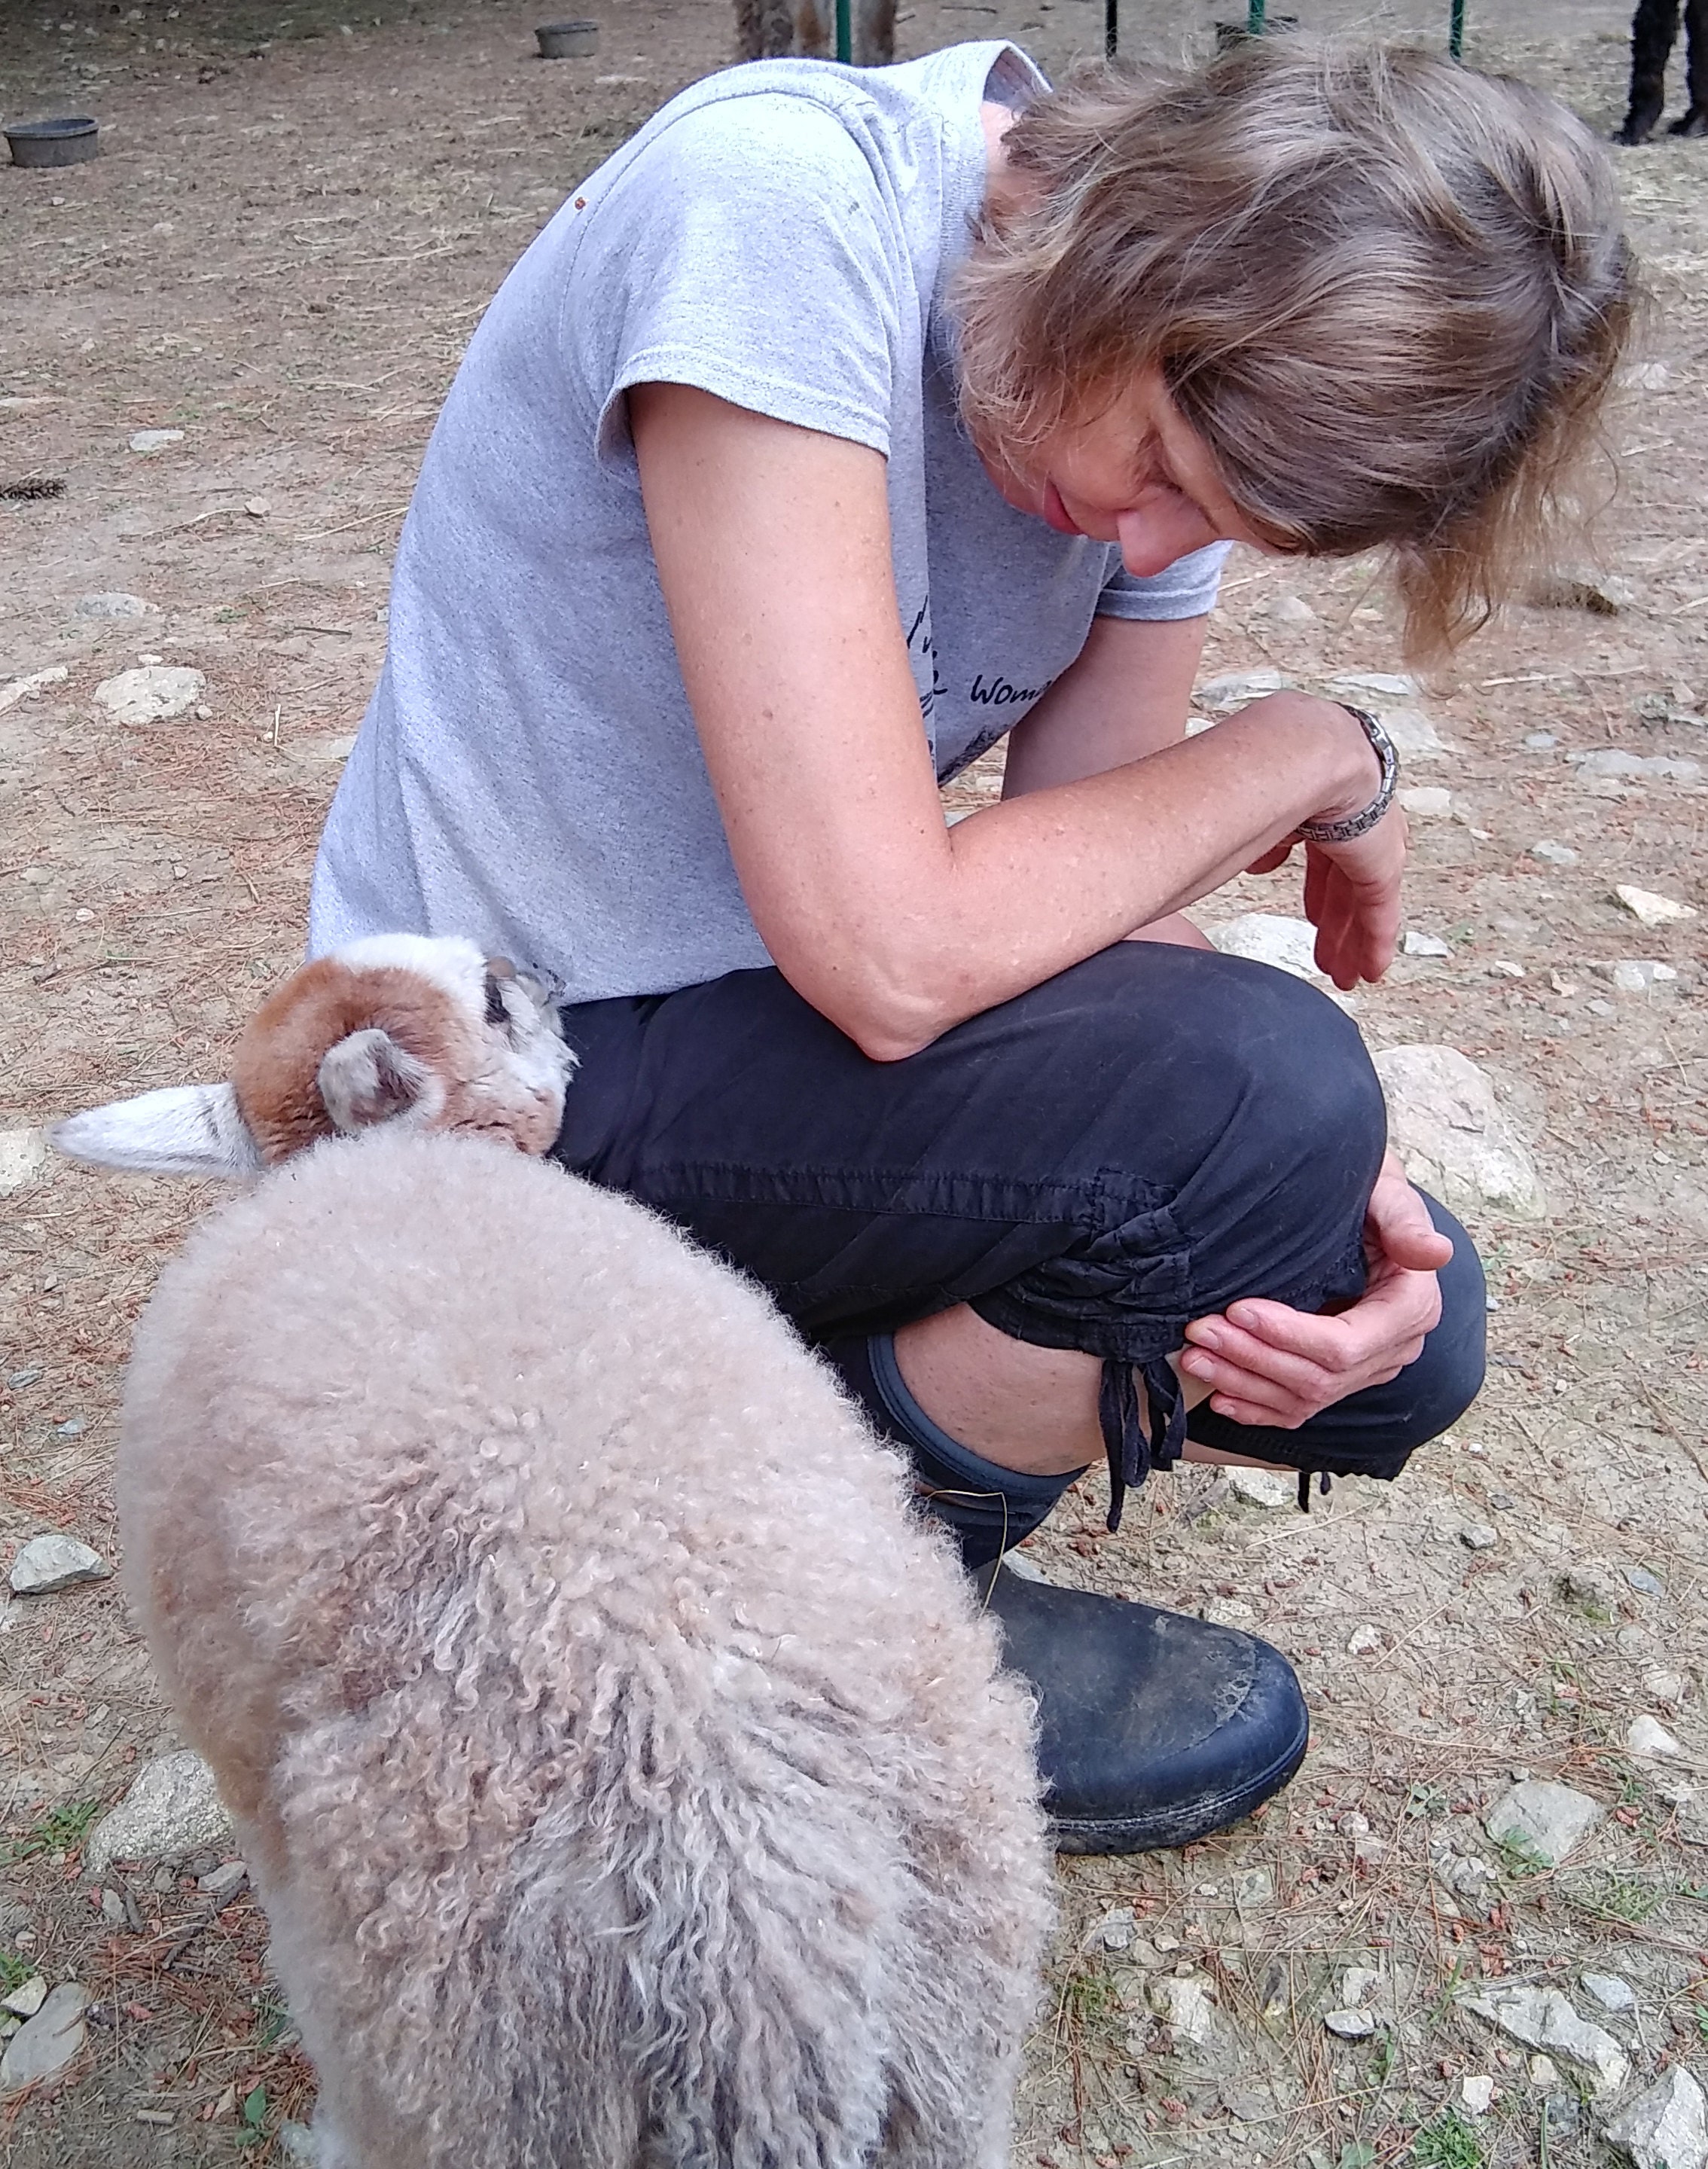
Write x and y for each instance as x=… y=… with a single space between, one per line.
x=1045 y=879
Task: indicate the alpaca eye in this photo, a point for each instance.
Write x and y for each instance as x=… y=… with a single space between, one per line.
x=496 y=1011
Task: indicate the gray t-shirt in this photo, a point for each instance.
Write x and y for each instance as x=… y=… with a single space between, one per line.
x=528 y=772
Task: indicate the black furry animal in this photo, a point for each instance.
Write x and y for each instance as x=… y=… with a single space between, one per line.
x=1653 y=30
x=766 y=29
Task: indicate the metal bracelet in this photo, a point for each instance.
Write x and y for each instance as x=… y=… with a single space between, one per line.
x=1360 y=824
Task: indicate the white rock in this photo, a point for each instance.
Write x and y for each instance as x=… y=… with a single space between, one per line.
x=298 y=2145
x=55 y=1562
x=1541 y=741
x=1364 y=1641
x=111 y=605
x=1415 y=736
x=1542 y=2018
x=1477 y=2093
x=1666 y=2127
x=1266 y=937
x=1427 y=802
x=1382 y=685
x=1186 y=2002
x=172 y=1808
x=1665 y=1686
x=322 y=752
x=27 y=1998
x=1292 y=609
x=42 y=2047
x=1582 y=586
x=1451 y=1134
x=23 y=1156
x=1503 y=968
x=1263 y=1487
x=1543 y=2071
x=155 y=440
x=1217 y=695
x=1645 y=376
x=1605 y=761
x=1359 y=1984
x=1636 y=975
x=1115 y=1932
x=1648 y=1736
x=1255 y=1886
x=226 y=1880
x=1653 y=909
x=1425 y=945
x=151 y=695
x=1349 y=2025
x=258 y=508
x=1478 y=1536
x=1552 y=854
x=1609 y=1990
x=37 y=681
x=1551 y=1818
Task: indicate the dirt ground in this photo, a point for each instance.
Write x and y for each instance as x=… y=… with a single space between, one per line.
x=297 y=219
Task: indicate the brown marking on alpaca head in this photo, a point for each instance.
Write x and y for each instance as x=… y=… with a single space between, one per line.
x=422 y=1030
x=276 y=1071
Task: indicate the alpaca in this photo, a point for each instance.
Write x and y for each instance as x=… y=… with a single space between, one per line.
x=766 y=29
x=1653 y=29
x=626 y=1770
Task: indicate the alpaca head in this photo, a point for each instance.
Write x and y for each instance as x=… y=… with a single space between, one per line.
x=399 y=1028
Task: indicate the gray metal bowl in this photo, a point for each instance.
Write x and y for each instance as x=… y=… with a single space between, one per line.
x=567 y=41
x=53 y=142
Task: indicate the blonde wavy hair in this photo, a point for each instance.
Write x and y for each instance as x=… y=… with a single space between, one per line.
x=1388 y=293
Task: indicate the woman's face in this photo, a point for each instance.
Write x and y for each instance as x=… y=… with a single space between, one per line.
x=1134 y=473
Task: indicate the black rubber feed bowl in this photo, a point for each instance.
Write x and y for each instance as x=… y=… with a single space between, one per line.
x=567 y=41
x=53 y=142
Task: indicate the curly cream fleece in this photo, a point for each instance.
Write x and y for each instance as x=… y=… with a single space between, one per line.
x=625 y=1771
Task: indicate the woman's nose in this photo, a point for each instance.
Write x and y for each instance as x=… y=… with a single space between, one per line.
x=1158 y=530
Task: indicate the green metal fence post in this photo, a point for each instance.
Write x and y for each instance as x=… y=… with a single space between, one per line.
x=1455 y=31
x=845 y=33
x=1255 y=19
x=1111 y=27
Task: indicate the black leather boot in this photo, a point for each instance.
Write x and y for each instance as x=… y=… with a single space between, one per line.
x=1153 y=1728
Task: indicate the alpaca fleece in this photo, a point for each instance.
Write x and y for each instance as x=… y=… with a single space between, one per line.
x=625 y=1771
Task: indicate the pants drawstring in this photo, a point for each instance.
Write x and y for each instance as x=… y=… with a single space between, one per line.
x=1325 y=1485
x=1132 y=1455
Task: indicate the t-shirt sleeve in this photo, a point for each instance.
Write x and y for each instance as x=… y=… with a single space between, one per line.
x=745 y=250
x=1186 y=589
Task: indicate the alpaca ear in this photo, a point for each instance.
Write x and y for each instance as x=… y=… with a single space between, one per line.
x=369 y=1078
x=187 y=1129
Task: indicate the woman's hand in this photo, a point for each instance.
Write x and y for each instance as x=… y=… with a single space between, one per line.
x=1267 y=1364
x=1352 y=897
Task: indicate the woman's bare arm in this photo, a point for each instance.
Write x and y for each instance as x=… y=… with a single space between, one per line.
x=773 y=549
x=1124 y=699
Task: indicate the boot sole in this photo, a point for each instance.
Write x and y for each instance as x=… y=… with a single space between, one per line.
x=1159 y=1831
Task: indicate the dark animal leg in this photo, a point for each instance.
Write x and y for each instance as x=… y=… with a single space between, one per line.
x=1653 y=28
x=1695 y=121
x=875 y=35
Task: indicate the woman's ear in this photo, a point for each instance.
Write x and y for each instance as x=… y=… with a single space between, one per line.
x=187 y=1129
x=369 y=1078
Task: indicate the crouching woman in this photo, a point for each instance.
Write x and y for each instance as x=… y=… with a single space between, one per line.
x=840 y=425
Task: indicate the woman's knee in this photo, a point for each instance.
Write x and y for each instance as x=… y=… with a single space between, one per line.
x=1449 y=1375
